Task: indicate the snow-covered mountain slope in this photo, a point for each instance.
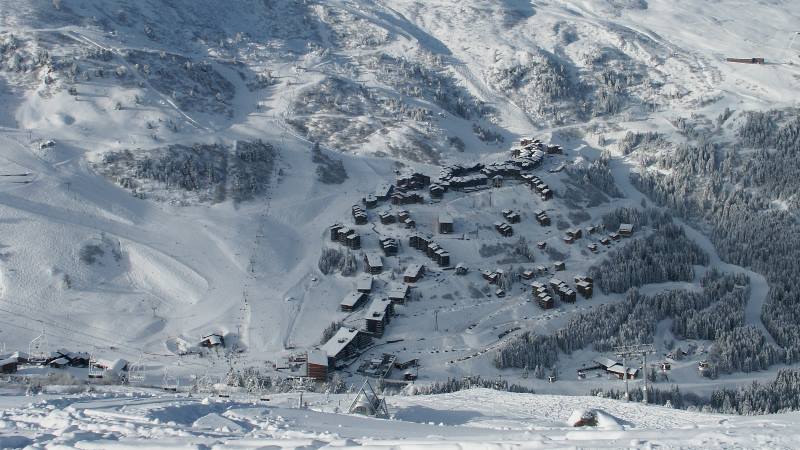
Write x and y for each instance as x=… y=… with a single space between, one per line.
x=474 y=419
x=158 y=182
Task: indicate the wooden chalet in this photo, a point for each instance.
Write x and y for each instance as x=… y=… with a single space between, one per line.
x=614 y=236
x=559 y=265
x=399 y=294
x=418 y=242
x=490 y=276
x=353 y=301
x=511 y=216
x=359 y=215
x=584 y=286
x=384 y=192
x=413 y=181
x=545 y=301
x=436 y=191
x=625 y=229
x=373 y=262
x=378 y=315
x=389 y=245
x=528 y=274
x=212 y=340
x=334 y=231
x=370 y=201
x=413 y=273
x=442 y=257
x=504 y=229
x=406 y=198
x=9 y=365
x=445 y=223
x=345 y=344
x=317 y=365
x=353 y=240
x=386 y=217
x=542 y=218
x=566 y=295
x=364 y=284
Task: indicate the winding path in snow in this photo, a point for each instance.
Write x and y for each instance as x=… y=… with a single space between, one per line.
x=758 y=284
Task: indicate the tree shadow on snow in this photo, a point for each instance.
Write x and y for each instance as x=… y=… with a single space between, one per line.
x=422 y=414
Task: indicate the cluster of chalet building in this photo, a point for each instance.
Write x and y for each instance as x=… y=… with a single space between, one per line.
x=614 y=368
x=61 y=359
x=504 y=229
x=511 y=216
x=359 y=215
x=345 y=236
x=387 y=217
x=573 y=235
x=542 y=217
x=373 y=263
x=389 y=245
x=539 y=186
x=350 y=341
x=544 y=294
x=431 y=249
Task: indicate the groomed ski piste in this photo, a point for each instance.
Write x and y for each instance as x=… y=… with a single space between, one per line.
x=89 y=268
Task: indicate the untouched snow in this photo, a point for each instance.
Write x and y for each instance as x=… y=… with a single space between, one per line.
x=473 y=419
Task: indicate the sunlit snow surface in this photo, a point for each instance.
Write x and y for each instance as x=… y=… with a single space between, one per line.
x=473 y=419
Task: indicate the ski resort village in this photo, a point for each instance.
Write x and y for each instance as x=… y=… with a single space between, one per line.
x=308 y=224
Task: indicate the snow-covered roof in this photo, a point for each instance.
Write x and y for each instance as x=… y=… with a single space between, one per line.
x=605 y=362
x=399 y=291
x=625 y=228
x=352 y=299
x=318 y=357
x=112 y=365
x=7 y=361
x=364 y=283
x=374 y=259
x=445 y=218
x=413 y=270
x=339 y=341
x=619 y=370
x=377 y=309
x=213 y=339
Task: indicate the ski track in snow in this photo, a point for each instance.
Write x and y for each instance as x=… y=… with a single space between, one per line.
x=474 y=419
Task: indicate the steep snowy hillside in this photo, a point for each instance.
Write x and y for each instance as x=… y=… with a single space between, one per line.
x=169 y=172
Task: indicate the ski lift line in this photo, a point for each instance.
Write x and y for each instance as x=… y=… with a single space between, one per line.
x=194 y=123
x=71 y=331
